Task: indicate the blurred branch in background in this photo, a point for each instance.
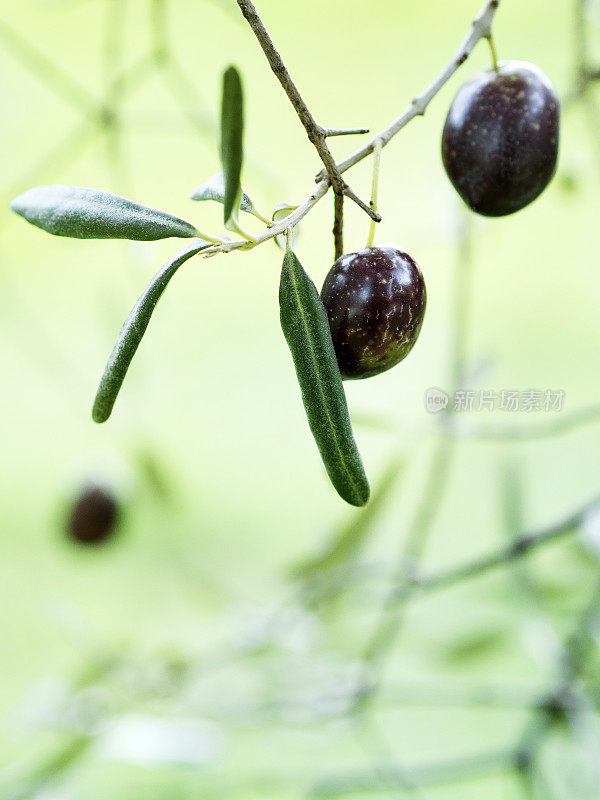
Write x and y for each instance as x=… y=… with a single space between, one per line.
x=436 y=484
x=571 y=700
x=567 y=422
x=564 y=703
x=434 y=774
x=104 y=115
x=522 y=546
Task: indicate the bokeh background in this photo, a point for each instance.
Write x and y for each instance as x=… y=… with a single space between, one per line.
x=185 y=658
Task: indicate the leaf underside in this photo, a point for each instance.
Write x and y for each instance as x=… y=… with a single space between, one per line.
x=133 y=330
x=306 y=328
x=82 y=213
x=214 y=189
x=281 y=210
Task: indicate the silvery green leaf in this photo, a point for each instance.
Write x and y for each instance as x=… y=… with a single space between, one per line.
x=214 y=189
x=92 y=214
x=281 y=211
x=232 y=131
x=133 y=330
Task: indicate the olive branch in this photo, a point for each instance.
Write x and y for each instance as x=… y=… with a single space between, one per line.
x=91 y=214
x=481 y=28
x=559 y=705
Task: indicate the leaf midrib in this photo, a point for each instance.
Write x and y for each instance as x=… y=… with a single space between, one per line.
x=321 y=392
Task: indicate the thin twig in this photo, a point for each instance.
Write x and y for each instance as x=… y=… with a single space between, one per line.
x=480 y=28
x=316 y=134
x=132 y=78
x=374 y=191
x=518 y=549
x=338 y=225
x=58 y=80
x=521 y=546
x=344 y=131
x=279 y=228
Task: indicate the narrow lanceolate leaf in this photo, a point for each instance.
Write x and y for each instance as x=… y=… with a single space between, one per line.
x=92 y=214
x=214 y=189
x=232 y=131
x=132 y=332
x=306 y=329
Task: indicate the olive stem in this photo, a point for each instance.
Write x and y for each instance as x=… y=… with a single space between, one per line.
x=214 y=239
x=338 y=225
x=344 y=131
x=235 y=225
x=268 y=222
x=288 y=240
x=317 y=135
x=480 y=28
x=494 y=52
x=374 y=189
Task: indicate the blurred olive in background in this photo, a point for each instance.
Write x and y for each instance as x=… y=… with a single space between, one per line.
x=94 y=515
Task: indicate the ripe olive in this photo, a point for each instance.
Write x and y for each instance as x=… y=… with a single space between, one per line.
x=500 y=140
x=93 y=516
x=375 y=301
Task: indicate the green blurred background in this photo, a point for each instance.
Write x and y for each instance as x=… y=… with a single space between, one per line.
x=169 y=624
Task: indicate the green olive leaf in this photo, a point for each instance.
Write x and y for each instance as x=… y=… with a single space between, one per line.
x=232 y=131
x=282 y=210
x=350 y=538
x=133 y=330
x=92 y=214
x=306 y=329
x=214 y=189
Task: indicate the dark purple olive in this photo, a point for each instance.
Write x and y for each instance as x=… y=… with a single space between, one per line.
x=375 y=300
x=500 y=140
x=94 y=515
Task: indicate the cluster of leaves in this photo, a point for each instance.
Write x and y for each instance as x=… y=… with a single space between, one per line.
x=91 y=214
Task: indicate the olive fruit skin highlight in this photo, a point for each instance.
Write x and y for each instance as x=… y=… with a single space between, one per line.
x=500 y=139
x=375 y=301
